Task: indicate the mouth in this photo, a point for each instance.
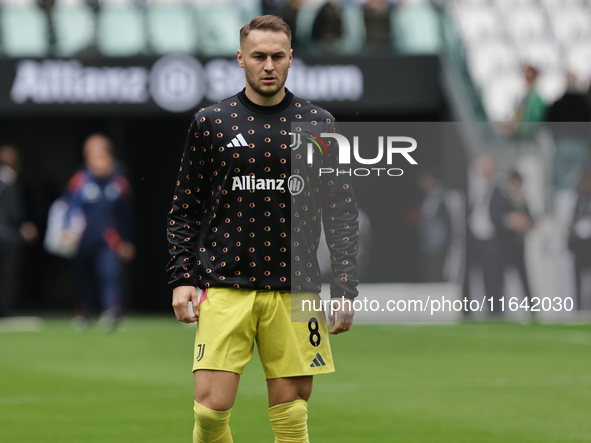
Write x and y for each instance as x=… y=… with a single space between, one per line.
x=268 y=80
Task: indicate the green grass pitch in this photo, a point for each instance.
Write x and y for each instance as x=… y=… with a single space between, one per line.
x=477 y=383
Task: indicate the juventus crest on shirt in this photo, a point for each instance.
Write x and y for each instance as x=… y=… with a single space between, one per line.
x=248 y=206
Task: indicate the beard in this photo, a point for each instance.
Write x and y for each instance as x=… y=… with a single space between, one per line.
x=268 y=91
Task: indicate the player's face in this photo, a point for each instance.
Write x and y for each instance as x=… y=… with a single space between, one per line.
x=266 y=57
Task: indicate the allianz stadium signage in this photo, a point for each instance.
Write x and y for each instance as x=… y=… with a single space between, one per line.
x=174 y=83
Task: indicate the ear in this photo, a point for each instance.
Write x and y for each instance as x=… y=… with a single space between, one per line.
x=239 y=58
x=290 y=57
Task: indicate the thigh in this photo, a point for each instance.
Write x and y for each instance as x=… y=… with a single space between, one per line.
x=293 y=347
x=283 y=390
x=226 y=330
x=216 y=389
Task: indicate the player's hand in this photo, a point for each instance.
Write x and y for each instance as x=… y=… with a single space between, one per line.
x=344 y=315
x=181 y=296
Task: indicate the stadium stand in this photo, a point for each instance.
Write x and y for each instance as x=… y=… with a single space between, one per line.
x=75 y=26
x=500 y=36
x=417 y=28
x=171 y=27
x=216 y=40
x=121 y=29
x=24 y=29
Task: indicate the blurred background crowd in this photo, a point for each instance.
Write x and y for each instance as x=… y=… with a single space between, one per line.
x=496 y=92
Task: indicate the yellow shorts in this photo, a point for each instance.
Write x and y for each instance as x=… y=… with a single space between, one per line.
x=231 y=319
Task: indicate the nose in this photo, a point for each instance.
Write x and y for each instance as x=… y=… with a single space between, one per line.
x=269 y=64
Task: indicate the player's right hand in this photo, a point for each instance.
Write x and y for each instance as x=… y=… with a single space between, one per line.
x=181 y=296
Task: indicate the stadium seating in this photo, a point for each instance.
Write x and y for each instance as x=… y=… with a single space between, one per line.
x=506 y=5
x=24 y=29
x=502 y=96
x=546 y=55
x=551 y=85
x=121 y=29
x=171 y=27
x=501 y=35
x=525 y=25
x=579 y=59
x=74 y=23
x=478 y=23
x=213 y=38
x=417 y=29
x=559 y=4
x=490 y=60
x=571 y=25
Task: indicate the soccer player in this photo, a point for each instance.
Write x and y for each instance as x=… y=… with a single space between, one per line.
x=244 y=227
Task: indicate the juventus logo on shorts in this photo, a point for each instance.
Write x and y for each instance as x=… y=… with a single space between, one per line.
x=200 y=352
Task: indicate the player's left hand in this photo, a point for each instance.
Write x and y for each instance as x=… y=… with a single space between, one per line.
x=344 y=315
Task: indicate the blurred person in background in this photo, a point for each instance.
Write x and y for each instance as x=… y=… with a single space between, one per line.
x=327 y=29
x=15 y=230
x=434 y=228
x=289 y=13
x=442 y=231
x=102 y=193
x=568 y=120
x=376 y=15
x=573 y=106
x=512 y=220
x=579 y=242
x=572 y=140
x=483 y=252
x=530 y=110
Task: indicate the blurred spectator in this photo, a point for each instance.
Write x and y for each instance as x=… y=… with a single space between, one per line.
x=376 y=15
x=572 y=139
x=14 y=229
x=289 y=13
x=573 y=106
x=485 y=253
x=530 y=110
x=328 y=27
x=512 y=220
x=579 y=242
x=434 y=228
x=103 y=195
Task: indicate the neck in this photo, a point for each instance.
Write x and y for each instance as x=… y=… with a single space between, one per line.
x=261 y=100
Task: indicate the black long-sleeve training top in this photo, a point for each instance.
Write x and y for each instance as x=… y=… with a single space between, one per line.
x=247 y=209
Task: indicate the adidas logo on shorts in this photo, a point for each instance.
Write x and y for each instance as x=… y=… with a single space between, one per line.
x=317 y=361
x=238 y=142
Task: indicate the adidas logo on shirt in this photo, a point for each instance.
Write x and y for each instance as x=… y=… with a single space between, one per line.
x=238 y=142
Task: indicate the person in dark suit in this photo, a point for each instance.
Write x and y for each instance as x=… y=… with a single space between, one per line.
x=512 y=220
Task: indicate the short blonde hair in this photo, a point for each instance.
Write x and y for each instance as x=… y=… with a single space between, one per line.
x=265 y=23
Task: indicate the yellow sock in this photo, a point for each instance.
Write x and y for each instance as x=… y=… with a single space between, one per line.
x=290 y=422
x=211 y=426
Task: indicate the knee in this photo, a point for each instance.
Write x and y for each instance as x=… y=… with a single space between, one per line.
x=209 y=420
x=291 y=412
x=290 y=421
